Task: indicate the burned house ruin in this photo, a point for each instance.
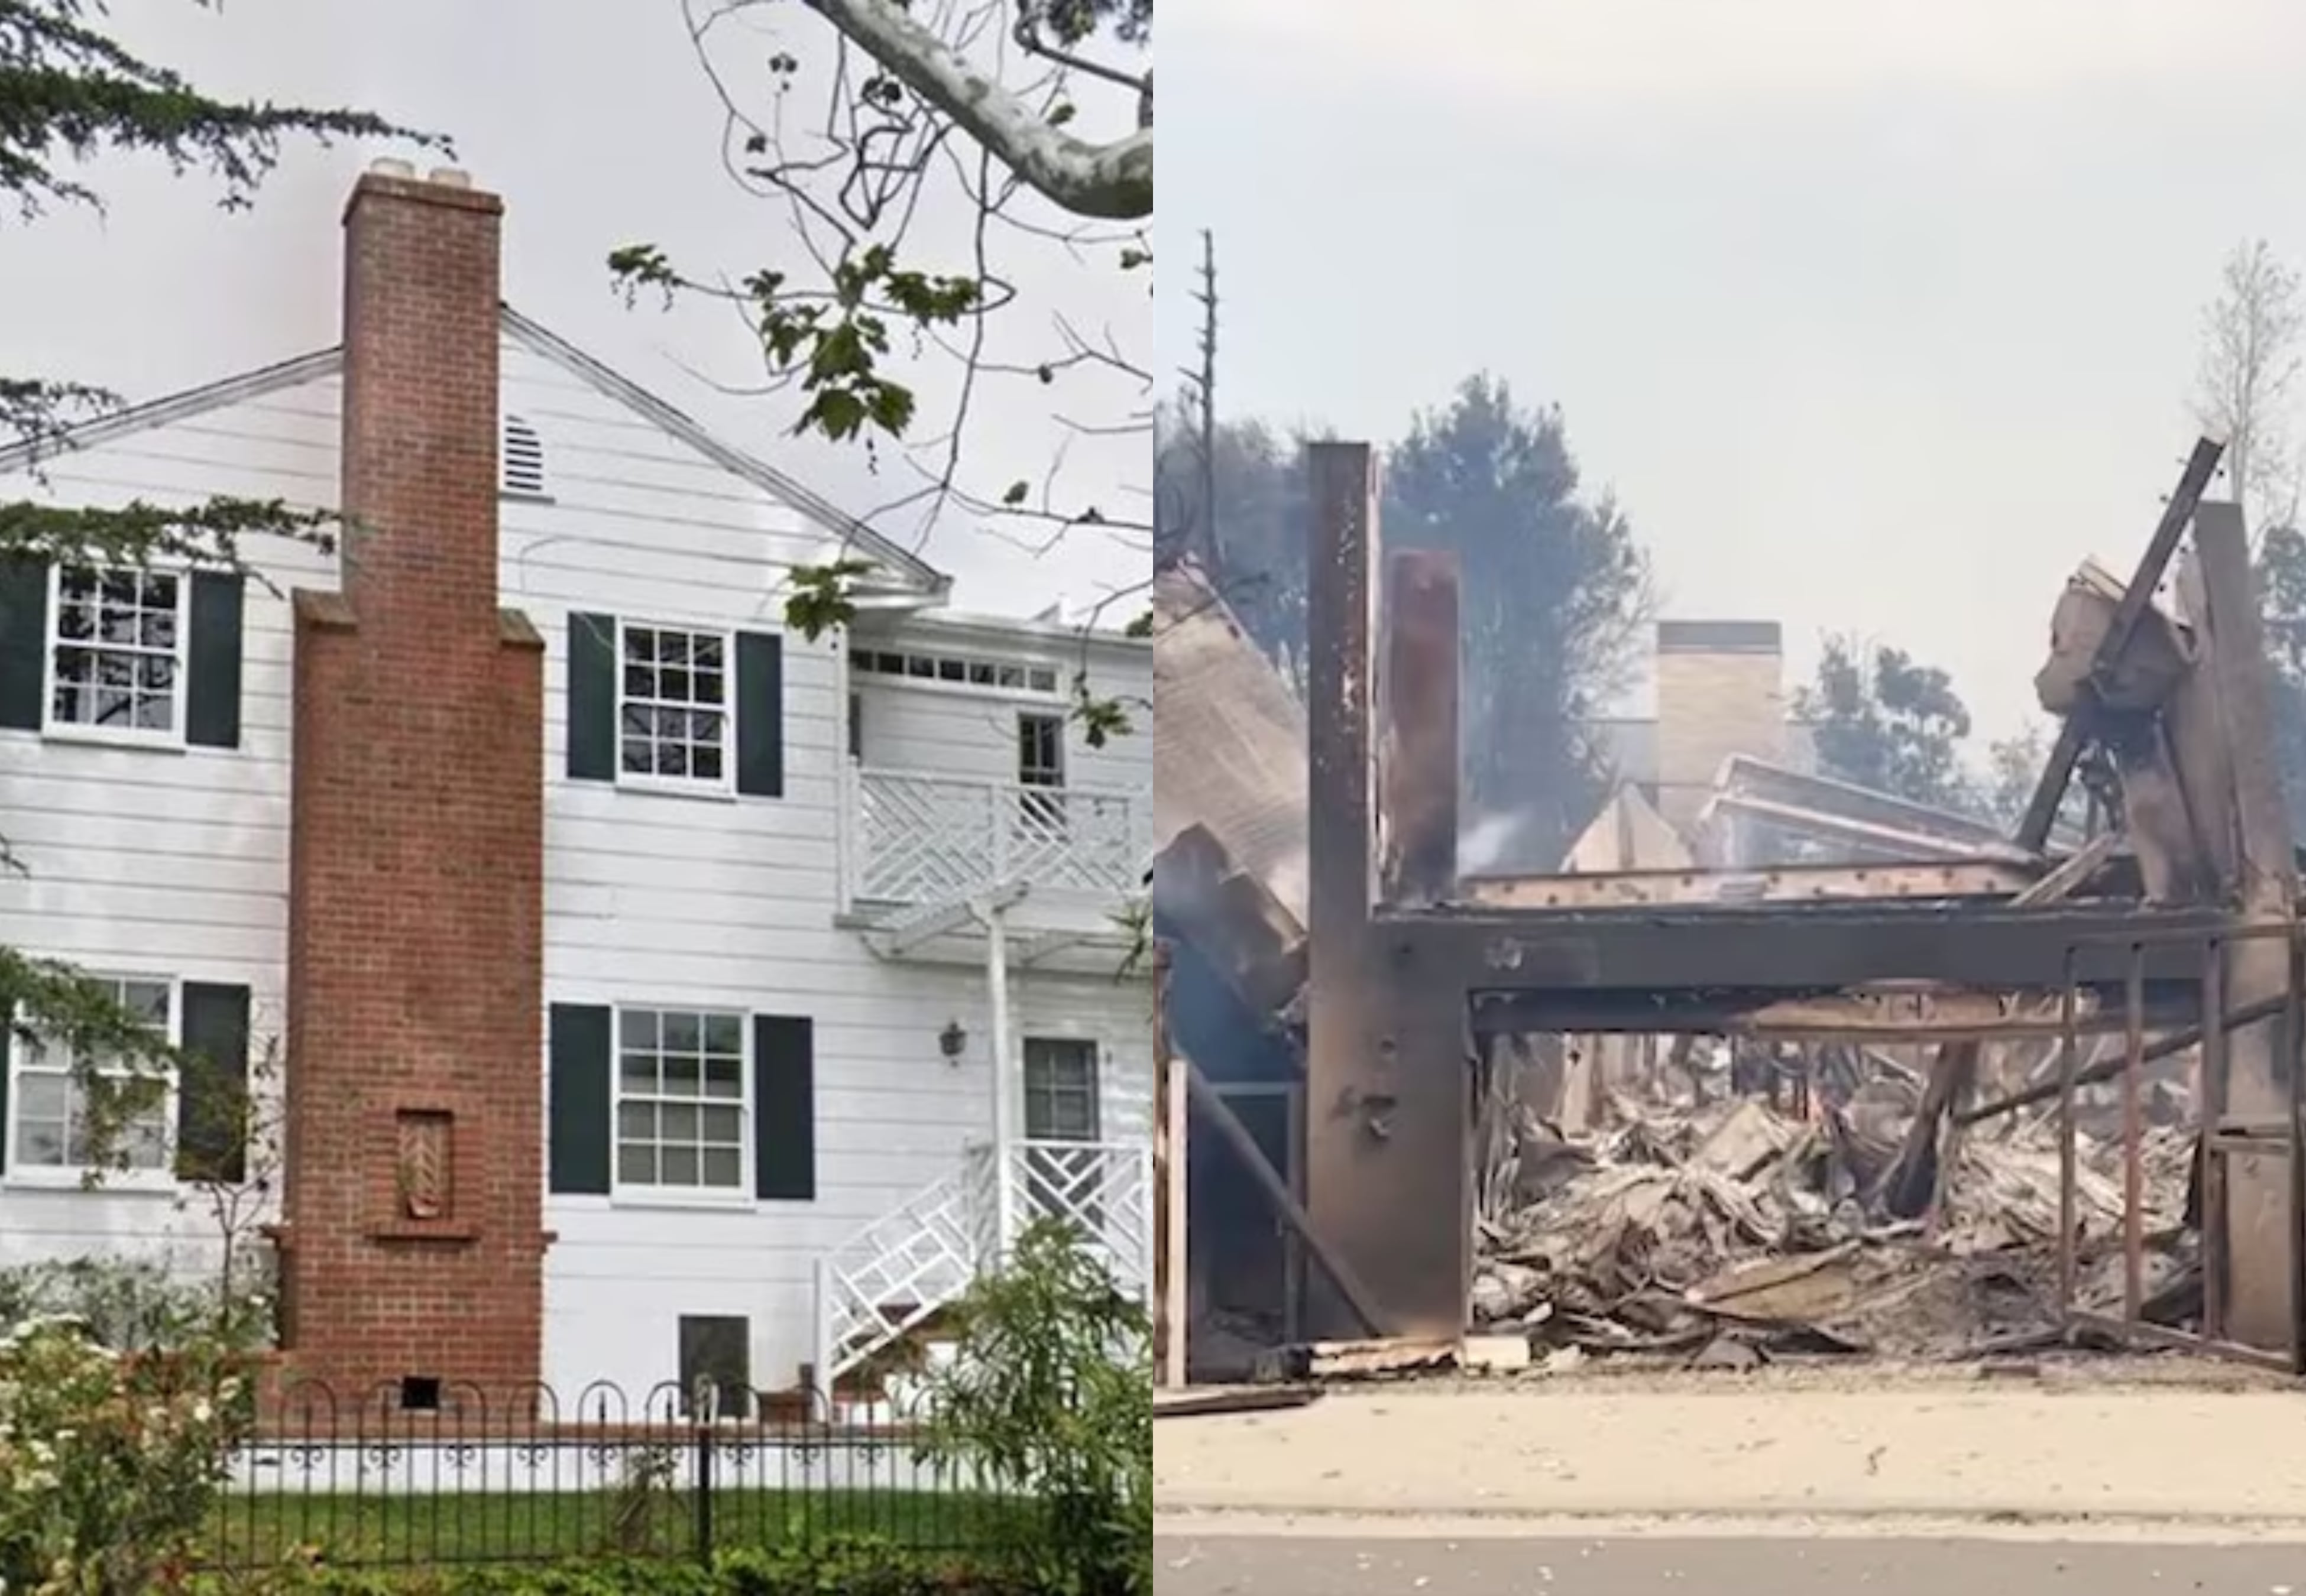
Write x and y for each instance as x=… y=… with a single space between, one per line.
x=1341 y=995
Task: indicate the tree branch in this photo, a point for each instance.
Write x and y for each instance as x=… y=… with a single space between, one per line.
x=1112 y=181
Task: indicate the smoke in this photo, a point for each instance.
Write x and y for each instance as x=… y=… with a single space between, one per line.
x=1490 y=842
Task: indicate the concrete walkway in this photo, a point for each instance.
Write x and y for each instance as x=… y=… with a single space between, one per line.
x=1976 y=1453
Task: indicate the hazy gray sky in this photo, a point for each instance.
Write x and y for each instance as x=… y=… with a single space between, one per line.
x=595 y=121
x=1877 y=317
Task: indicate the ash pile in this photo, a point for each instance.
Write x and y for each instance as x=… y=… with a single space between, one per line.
x=1732 y=1231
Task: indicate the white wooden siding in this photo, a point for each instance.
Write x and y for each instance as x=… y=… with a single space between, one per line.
x=177 y=863
x=731 y=903
x=946 y=730
x=169 y=862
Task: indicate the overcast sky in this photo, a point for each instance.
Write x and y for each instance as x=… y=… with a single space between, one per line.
x=1878 y=317
x=595 y=121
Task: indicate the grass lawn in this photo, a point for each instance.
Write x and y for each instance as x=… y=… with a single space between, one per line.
x=252 y=1531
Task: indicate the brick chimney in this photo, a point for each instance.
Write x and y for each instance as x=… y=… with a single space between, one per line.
x=1721 y=690
x=413 y=1238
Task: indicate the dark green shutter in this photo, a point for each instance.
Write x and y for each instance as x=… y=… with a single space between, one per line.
x=211 y=1097
x=784 y=1108
x=23 y=642
x=583 y=1055
x=761 y=715
x=7 y=1034
x=212 y=692
x=592 y=697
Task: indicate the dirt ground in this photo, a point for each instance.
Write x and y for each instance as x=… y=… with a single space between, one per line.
x=2037 y=1440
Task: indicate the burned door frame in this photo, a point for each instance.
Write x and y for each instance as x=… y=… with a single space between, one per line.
x=1408 y=974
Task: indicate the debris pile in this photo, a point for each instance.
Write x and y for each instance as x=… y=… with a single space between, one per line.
x=1737 y=1232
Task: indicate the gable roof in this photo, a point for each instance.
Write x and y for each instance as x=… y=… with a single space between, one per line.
x=911 y=569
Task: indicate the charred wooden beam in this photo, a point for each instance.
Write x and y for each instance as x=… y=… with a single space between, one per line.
x=1911 y=1181
x=1795 y=948
x=2261 y=1219
x=1781 y=885
x=1417 y=743
x=2050 y=791
x=1389 y=1058
x=2166 y=1045
x=1236 y=1137
x=1856 y=1017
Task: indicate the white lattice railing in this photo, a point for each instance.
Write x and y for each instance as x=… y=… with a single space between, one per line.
x=920 y=1257
x=1104 y=1189
x=927 y=838
x=897 y=1271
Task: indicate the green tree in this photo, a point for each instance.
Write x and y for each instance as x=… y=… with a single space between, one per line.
x=910 y=105
x=1251 y=541
x=2281 y=570
x=1554 y=595
x=70 y=92
x=1554 y=590
x=1881 y=720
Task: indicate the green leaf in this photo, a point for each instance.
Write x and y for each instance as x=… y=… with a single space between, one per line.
x=1016 y=493
x=822 y=596
x=836 y=412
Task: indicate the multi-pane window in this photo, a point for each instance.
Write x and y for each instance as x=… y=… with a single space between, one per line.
x=680 y=1100
x=1010 y=675
x=117 y=650
x=56 y=1117
x=1041 y=750
x=674 y=704
x=1060 y=1089
x=1063 y=1179
x=1041 y=769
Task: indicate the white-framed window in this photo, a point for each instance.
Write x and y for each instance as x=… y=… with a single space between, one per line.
x=927 y=667
x=1066 y=1172
x=115 y=654
x=674 y=707
x=683 y=1102
x=1040 y=750
x=1041 y=772
x=1061 y=1088
x=50 y=1109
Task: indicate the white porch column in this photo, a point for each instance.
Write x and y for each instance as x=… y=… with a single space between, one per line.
x=1004 y=1076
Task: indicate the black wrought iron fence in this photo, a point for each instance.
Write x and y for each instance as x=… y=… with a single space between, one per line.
x=525 y=1476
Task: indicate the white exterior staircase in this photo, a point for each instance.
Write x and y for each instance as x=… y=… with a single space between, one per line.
x=892 y=1275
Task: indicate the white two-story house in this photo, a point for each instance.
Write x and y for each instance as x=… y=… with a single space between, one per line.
x=656 y=993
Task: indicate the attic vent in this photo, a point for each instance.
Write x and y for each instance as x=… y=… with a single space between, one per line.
x=523 y=458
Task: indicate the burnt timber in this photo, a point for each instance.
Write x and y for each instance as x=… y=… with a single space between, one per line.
x=1408 y=970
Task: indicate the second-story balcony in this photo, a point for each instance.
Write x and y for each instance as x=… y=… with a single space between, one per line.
x=923 y=839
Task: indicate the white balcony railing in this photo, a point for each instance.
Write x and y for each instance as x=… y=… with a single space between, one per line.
x=899 y=1270
x=924 y=839
x=1103 y=1190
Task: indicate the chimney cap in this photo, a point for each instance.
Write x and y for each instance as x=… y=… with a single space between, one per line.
x=387 y=166
x=450 y=178
x=1719 y=636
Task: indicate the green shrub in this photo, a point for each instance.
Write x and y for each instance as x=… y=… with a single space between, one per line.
x=109 y=1464
x=831 y=1568
x=1051 y=1395
x=141 y=1305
